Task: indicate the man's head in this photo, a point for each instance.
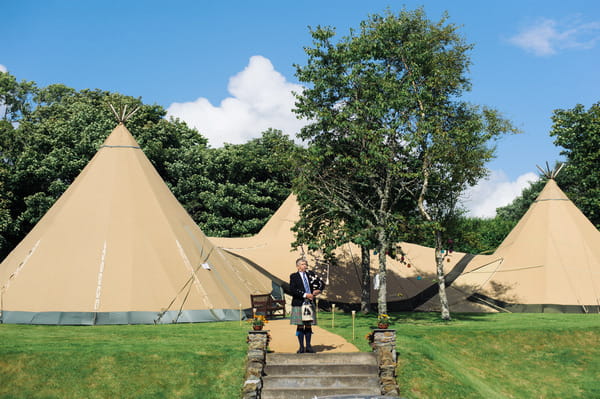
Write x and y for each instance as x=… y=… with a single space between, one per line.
x=301 y=264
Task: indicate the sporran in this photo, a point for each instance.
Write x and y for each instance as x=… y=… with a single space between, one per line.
x=307 y=311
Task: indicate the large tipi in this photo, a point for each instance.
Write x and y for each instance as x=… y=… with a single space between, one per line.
x=549 y=262
x=118 y=248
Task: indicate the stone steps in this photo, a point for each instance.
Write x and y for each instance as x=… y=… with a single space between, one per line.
x=319 y=393
x=309 y=375
x=367 y=358
x=316 y=369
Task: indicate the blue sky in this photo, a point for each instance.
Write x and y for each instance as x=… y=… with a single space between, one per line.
x=227 y=67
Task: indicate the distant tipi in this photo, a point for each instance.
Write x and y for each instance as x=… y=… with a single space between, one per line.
x=549 y=262
x=118 y=248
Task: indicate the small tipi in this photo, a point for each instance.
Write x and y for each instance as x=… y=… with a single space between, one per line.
x=118 y=248
x=549 y=262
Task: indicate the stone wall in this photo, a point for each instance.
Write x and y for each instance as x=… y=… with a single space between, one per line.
x=384 y=346
x=255 y=364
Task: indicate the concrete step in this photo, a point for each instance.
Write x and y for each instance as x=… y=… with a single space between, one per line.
x=310 y=375
x=322 y=358
x=311 y=393
x=329 y=381
x=320 y=369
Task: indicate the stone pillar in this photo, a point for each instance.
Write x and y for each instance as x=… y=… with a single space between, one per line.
x=257 y=354
x=384 y=346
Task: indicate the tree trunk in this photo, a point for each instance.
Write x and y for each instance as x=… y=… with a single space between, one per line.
x=439 y=260
x=365 y=297
x=439 y=257
x=382 y=297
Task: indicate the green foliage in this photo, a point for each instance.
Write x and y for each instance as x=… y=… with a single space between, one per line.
x=5 y=217
x=15 y=97
x=476 y=236
x=238 y=187
x=578 y=131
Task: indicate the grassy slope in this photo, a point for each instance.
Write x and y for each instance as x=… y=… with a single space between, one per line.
x=474 y=356
x=165 y=361
x=491 y=355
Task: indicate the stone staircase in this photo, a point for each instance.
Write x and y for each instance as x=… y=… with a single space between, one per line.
x=311 y=375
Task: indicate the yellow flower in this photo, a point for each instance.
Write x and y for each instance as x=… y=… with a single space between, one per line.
x=258 y=320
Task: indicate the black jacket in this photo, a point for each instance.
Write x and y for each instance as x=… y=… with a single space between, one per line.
x=297 y=287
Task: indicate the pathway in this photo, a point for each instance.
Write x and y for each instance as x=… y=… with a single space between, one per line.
x=283 y=339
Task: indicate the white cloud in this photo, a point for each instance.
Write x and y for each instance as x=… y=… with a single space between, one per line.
x=494 y=192
x=547 y=36
x=261 y=98
x=3 y=68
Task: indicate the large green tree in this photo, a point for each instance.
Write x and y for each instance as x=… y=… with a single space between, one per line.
x=389 y=136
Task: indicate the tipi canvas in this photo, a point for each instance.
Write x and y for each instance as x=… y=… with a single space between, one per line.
x=118 y=248
x=270 y=250
x=550 y=261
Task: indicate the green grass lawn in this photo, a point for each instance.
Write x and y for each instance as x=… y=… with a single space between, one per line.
x=489 y=355
x=473 y=356
x=164 y=361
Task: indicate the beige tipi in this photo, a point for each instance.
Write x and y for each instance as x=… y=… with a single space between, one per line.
x=550 y=261
x=118 y=248
x=270 y=250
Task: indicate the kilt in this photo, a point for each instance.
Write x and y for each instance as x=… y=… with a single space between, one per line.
x=296 y=316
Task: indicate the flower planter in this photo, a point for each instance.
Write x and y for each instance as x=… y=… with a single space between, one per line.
x=257 y=328
x=382 y=326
